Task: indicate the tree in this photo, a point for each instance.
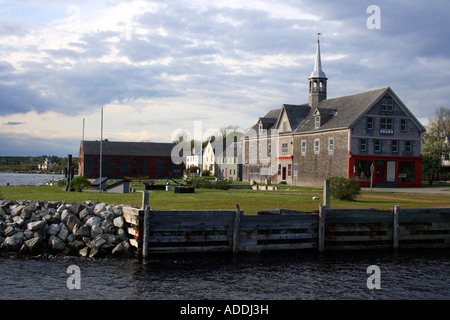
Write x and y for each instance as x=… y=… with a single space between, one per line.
x=79 y=183
x=434 y=147
x=343 y=188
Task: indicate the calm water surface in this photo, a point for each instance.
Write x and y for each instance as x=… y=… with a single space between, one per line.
x=281 y=276
x=29 y=179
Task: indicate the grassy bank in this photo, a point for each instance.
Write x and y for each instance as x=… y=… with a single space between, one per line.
x=250 y=201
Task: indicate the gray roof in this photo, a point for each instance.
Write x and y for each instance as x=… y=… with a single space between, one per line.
x=340 y=112
x=115 y=148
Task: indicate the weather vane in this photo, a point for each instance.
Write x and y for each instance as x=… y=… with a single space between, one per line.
x=318 y=34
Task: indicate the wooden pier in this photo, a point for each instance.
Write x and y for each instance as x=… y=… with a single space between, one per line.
x=185 y=231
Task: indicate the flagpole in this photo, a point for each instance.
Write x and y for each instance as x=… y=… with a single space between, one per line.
x=101 y=150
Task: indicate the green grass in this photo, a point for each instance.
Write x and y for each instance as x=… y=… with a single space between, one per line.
x=251 y=201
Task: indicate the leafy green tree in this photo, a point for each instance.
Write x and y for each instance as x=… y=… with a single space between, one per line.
x=343 y=188
x=435 y=150
x=79 y=183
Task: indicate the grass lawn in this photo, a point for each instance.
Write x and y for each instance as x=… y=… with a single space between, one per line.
x=251 y=201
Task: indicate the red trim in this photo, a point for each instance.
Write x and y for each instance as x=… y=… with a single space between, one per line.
x=417 y=168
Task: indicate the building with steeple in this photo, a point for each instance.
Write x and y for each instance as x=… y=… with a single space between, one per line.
x=368 y=136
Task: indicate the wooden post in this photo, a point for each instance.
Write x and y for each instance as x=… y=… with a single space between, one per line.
x=145 y=199
x=321 y=235
x=235 y=235
x=146 y=231
x=395 y=228
x=326 y=193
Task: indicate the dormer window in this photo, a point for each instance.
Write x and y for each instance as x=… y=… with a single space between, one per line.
x=317 y=122
x=260 y=128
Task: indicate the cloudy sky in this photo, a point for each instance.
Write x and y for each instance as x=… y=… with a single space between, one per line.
x=155 y=67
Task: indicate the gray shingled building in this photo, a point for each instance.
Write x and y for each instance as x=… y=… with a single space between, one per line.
x=344 y=136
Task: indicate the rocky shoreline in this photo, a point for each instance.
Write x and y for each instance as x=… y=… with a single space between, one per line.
x=88 y=229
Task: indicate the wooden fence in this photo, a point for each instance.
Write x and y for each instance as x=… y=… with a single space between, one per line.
x=178 y=231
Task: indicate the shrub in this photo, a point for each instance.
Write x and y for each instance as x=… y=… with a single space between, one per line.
x=79 y=183
x=344 y=189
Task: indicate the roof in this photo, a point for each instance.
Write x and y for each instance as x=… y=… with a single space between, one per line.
x=341 y=112
x=115 y=148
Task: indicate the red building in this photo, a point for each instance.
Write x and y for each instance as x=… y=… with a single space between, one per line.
x=127 y=159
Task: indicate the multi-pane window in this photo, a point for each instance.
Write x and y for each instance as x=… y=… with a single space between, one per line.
x=377 y=147
x=387 y=105
x=317 y=122
x=394 y=146
x=369 y=123
x=303 y=144
x=363 y=145
x=331 y=145
x=408 y=146
x=284 y=148
x=386 y=124
x=403 y=125
x=316 y=146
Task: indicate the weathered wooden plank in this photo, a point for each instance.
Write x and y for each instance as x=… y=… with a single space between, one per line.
x=413 y=227
x=357 y=227
x=134 y=243
x=235 y=232
x=358 y=247
x=189 y=249
x=283 y=246
x=133 y=231
x=131 y=215
x=321 y=233
x=188 y=238
x=395 y=231
x=287 y=236
x=425 y=237
x=372 y=216
x=334 y=238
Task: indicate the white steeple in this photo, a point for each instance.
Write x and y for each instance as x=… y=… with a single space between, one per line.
x=317 y=81
x=318 y=73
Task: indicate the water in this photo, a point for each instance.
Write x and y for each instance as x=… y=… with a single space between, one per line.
x=417 y=274
x=31 y=179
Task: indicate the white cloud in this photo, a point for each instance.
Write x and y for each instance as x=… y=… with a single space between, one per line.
x=157 y=66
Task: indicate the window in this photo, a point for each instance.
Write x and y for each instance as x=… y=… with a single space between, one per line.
x=317 y=122
x=289 y=170
x=394 y=146
x=377 y=147
x=270 y=148
x=363 y=145
x=284 y=148
x=303 y=144
x=316 y=146
x=260 y=128
x=362 y=170
x=386 y=125
x=369 y=123
x=403 y=125
x=408 y=146
x=387 y=105
x=406 y=171
x=331 y=145
x=279 y=169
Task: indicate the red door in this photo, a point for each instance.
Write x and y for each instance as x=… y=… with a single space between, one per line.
x=284 y=174
x=379 y=176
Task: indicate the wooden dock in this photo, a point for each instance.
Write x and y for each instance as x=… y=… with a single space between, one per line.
x=184 y=231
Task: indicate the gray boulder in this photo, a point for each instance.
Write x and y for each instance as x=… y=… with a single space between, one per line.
x=36 y=225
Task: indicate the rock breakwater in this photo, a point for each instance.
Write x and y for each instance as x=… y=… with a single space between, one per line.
x=85 y=229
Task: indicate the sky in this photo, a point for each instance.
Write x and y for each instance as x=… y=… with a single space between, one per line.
x=158 y=67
